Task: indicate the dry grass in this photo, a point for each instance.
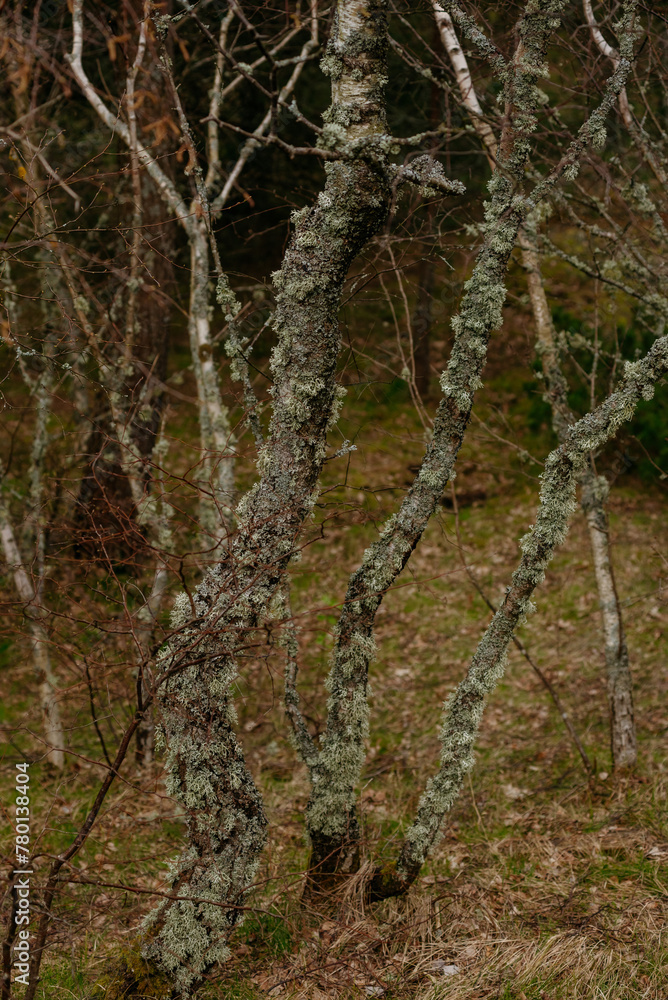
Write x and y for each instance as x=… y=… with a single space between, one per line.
x=545 y=886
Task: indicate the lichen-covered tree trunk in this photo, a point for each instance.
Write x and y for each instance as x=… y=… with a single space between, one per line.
x=205 y=767
x=463 y=711
x=594 y=490
x=332 y=815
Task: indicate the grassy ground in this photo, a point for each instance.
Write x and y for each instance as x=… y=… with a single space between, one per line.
x=546 y=885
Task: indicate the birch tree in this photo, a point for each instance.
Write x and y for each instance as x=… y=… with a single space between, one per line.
x=217 y=446
x=29 y=579
x=68 y=290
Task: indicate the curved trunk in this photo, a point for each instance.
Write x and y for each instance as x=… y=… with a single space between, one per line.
x=463 y=711
x=331 y=812
x=206 y=771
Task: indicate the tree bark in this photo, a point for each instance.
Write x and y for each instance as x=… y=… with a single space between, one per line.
x=54 y=736
x=463 y=711
x=623 y=743
x=332 y=812
x=594 y=493
x=215 y=431
x=205 y=767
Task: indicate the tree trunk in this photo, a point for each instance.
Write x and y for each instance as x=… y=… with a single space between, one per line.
x=205 y=766
x=594 y=495
x=216 y=435
x=620 y=689
x=463 y=711
x=331 y=811
x=54 y=735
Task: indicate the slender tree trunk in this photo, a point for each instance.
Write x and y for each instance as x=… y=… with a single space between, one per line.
x=54 y=735
x=463 y=711
x=215 y=431
x=144 y=631
x=29 y=592
x=620 y=689
x=331 y=817
x=594 y=492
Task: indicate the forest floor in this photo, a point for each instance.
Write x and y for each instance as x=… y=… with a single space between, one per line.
x=547 y=885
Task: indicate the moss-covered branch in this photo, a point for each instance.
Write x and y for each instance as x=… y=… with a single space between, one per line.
x=463 y=711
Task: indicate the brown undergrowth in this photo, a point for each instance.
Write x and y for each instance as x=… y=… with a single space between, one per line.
x=546 y=885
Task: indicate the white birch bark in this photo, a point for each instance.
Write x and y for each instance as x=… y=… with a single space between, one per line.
x=448 y=35
x=623 y=742
x=216 y=434
x=213 y=144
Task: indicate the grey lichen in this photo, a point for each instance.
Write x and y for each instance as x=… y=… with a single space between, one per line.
x=427 y=174
x=226 y=297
